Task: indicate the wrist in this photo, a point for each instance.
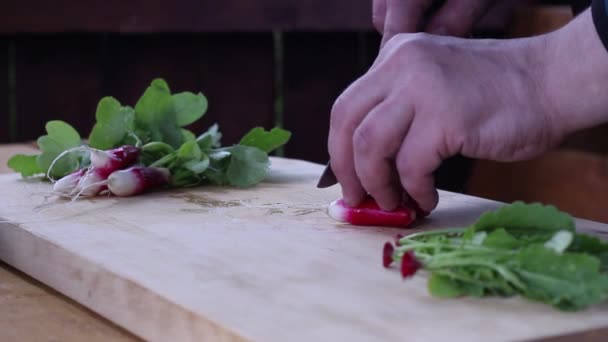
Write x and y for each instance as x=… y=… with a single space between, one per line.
x=572 y=73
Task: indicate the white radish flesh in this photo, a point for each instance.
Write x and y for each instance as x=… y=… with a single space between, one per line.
x=136 y=180
x=69 y=183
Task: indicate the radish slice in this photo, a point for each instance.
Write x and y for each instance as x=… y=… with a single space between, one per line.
x=369 y=213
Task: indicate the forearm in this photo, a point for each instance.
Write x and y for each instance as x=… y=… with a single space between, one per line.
x=573 y=68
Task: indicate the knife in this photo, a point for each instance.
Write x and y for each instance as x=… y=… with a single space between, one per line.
x=328 y=178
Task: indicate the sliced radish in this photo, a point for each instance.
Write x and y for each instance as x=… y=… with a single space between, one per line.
x=387 y=254
x=369 y=213
x=409 y=264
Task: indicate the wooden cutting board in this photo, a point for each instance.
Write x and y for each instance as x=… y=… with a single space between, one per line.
x=264 y=264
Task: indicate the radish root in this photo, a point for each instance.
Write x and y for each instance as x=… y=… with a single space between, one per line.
x=61 y=155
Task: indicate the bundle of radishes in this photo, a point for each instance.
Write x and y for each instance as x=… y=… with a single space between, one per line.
x=131 y=150
x=113 y=172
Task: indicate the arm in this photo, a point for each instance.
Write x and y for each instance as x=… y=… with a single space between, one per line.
x=427 y=98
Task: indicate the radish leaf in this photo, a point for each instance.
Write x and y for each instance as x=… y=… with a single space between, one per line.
x=60 y=137
x=266 y=141
x=113 y=123
x=189 y=107
x=26 y=165
x=248 y=166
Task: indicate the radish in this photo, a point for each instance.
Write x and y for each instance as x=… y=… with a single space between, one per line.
x=68 y=183
x=369 y=213
x=136 y=180
x=387 y=254
x=409 y=264
x=103 y=164
x=130 y=182
x=89 y=181
x=106 y=162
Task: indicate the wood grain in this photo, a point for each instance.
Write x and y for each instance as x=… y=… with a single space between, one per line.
x=31 y=311
x=574 y=181
x=264 y=263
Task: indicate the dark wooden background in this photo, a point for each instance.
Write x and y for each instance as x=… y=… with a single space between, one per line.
x=260 y=63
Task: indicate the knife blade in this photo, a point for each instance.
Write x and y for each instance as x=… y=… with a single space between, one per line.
x=328 y=178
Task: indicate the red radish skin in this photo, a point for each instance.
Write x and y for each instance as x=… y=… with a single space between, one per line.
x=409 y=264
x=398 y=238
x=387 y=255
x=103 y=163
x=136 y=180
x=106 y=162
x=369 y=213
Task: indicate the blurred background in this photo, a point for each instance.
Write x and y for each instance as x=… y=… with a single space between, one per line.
x=260 y=63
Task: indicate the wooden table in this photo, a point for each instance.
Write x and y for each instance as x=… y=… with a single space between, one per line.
x=31 y=311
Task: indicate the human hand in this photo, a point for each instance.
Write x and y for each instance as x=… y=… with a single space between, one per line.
x=427 y=98
x=454 y=17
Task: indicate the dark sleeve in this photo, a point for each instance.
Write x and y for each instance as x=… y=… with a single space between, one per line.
x=579 y=5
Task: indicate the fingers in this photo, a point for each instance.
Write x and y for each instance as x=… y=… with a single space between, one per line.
x=457 y=17
x=402 y=16
x=375 y=143
x=417 y=159
x=347 y=113
x=379 y=14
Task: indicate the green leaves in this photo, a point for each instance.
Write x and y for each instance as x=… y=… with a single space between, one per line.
x=26 y=165
x=521 y=217
x=60 y=137
x=526 y=249
x=157 y=125
x=266 y=141
x=248 y=166
x=569 y=281
x=154 y=116
x=189 y=107
x=113 y=123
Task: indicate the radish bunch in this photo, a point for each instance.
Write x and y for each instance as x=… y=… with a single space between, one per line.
x=113 y=171
x=133 y=148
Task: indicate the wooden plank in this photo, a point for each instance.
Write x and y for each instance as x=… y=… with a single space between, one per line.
x=264 y=263
x=4 y=106
x=36 y=16
x=31 y=311
x=234 y=72
x=57 y=78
